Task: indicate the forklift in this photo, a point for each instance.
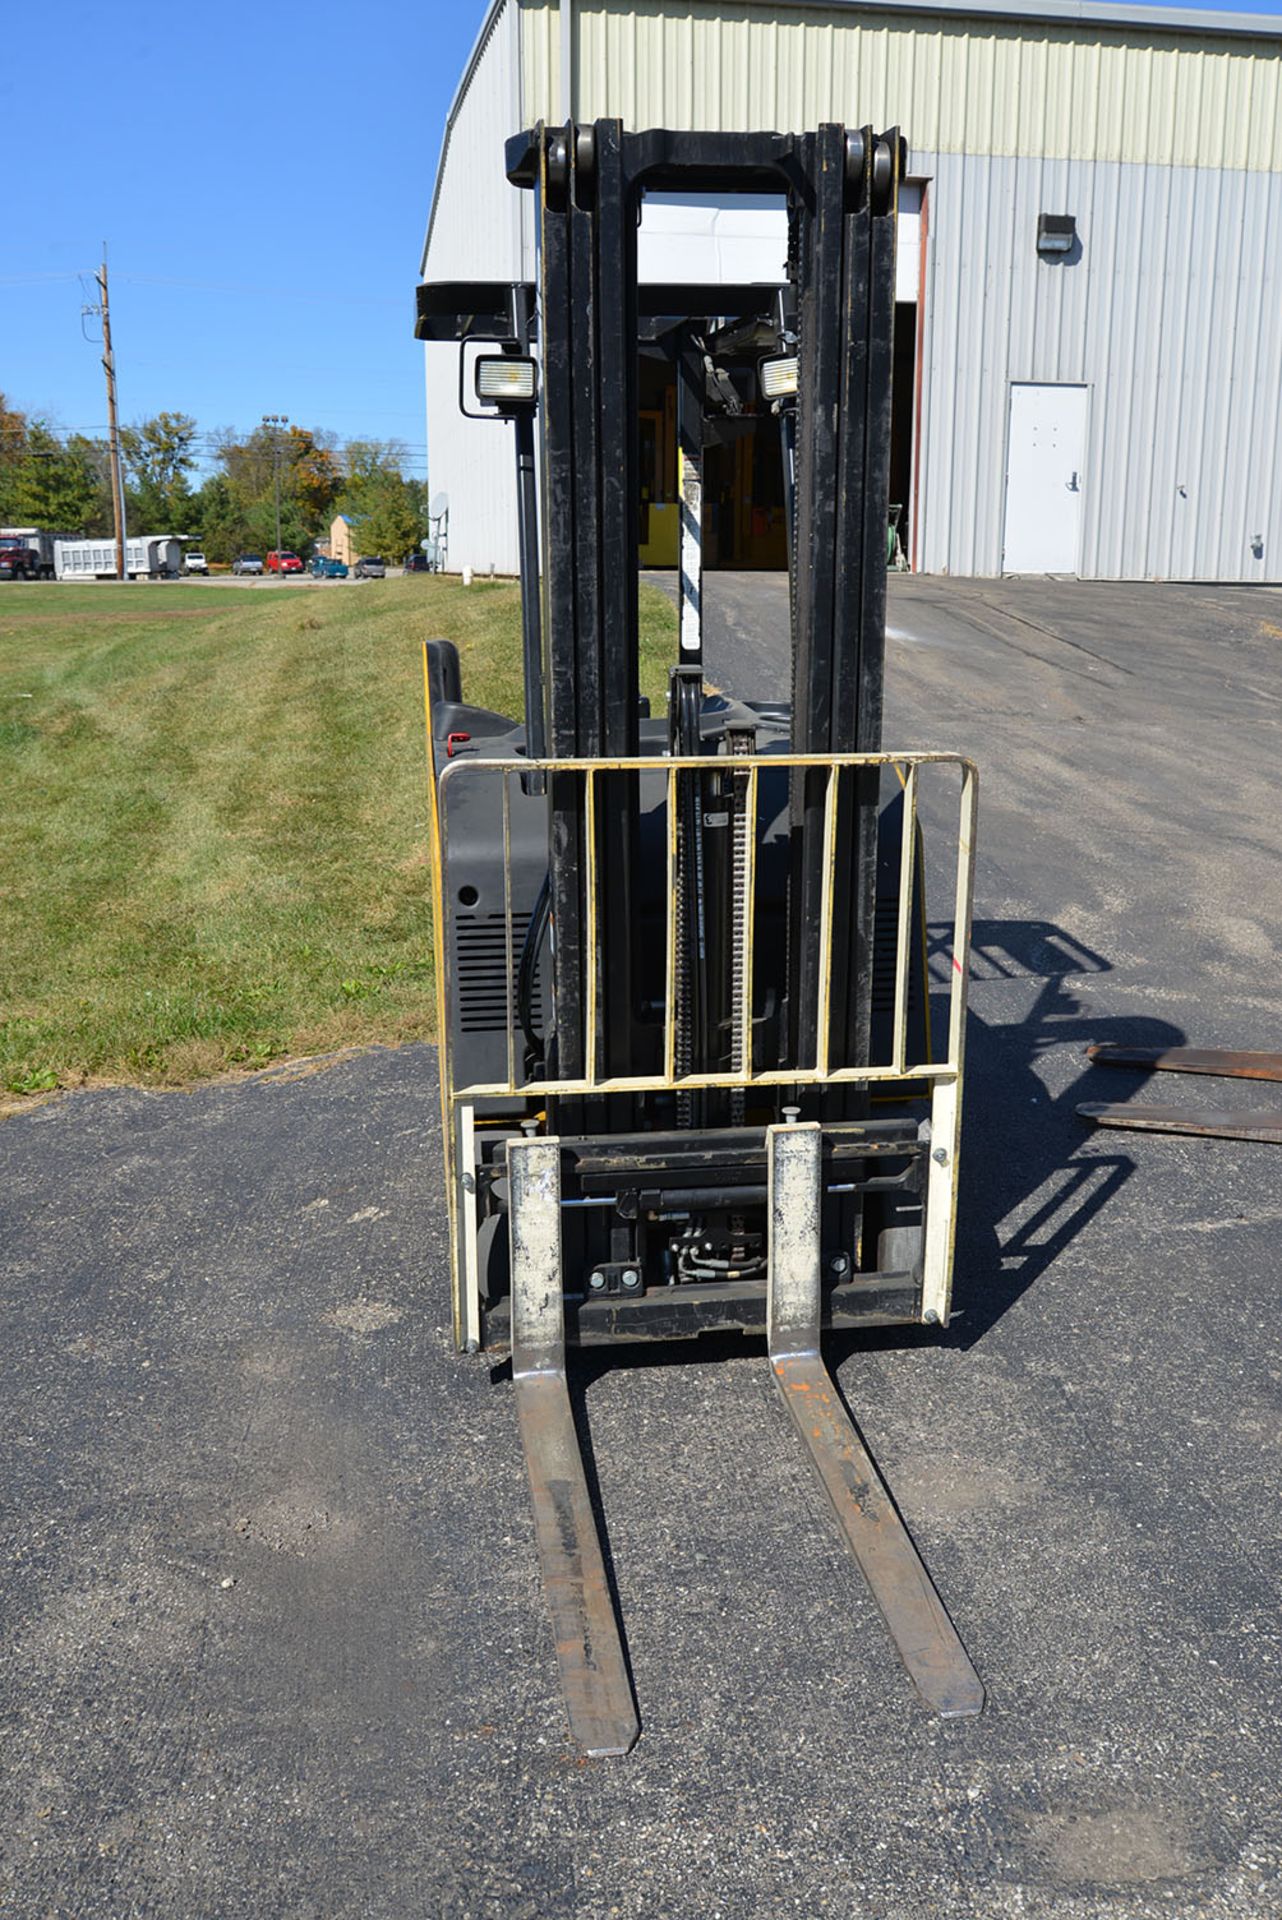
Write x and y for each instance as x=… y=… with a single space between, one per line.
x=687 y=1076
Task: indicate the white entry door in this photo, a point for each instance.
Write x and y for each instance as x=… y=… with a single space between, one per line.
x=1045 y=450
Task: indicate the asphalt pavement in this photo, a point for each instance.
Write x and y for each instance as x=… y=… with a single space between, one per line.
x=273 y=1639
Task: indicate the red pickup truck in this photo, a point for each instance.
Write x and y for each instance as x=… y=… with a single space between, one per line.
x=282 y=563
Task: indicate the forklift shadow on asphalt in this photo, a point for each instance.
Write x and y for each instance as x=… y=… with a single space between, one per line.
x=1031 y=1177
x=1027 y=1187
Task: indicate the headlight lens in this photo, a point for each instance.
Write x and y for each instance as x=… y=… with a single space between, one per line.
x=505 y=378
x=779 y=377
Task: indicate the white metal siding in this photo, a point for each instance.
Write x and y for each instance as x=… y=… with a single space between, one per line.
x=957 y=84
x=474 y=463
x=1172 y=316
x=744 y=237
x=478 y=232
x=476 y=224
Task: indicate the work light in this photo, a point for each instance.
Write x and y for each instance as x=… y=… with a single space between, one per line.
x=505 y=379
x=779 y=377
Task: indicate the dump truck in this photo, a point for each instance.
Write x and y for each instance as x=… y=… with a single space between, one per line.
x=699 y=1074
x=157 y=556
x=26 y=553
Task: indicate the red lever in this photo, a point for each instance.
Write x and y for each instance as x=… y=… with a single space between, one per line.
x=454 y=740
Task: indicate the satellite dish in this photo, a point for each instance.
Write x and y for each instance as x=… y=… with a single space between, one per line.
x=440 y=506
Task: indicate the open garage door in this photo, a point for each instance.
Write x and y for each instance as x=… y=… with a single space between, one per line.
x=694 y=239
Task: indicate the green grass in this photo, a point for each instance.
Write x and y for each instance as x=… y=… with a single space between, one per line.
x=214 y=844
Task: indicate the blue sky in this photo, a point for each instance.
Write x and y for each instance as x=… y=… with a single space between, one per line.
x=262 y=177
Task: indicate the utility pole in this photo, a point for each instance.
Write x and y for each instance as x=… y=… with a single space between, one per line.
x=275 y=421
x=113 y=422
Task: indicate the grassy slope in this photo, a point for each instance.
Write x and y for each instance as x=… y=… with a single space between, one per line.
x=213 y=848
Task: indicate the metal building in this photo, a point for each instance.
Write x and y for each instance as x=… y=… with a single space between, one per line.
x=1088 y=370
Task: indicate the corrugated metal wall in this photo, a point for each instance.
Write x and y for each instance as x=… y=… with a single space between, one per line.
x=960 y=84
x=1172 y=315
x=1166 y=147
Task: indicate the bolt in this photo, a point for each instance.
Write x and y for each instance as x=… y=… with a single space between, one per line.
x=791 y=1115
x=529 y=1126
x=838 y=1263
x=940 y=1156
x=931 y=1317
x=596 y=1281
x=630 y=1277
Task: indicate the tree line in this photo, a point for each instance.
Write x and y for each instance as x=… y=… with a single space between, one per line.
x=62 y=482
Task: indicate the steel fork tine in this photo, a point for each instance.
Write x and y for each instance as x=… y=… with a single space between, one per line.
x=927 y=1641
x=594 y=1675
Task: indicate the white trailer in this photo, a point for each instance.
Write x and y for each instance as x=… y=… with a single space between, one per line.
x=149 y=557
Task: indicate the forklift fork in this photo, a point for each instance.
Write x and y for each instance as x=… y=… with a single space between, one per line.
x=594 y=1676
x=912 y=1610
x=589 y=1650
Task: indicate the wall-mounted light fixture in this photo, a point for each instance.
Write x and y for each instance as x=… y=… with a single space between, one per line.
x=1056 y=232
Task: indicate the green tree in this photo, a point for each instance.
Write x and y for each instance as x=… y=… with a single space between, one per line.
x=13 y=446
x=366 y=465
x=391 y=524
x=159 y=457
x=218 y=520
x=309 y=478
x=56 y=486
x=390 y=508
x=313 y=467
x=94 y=456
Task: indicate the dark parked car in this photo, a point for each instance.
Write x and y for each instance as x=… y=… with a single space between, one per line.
x=323 y=568
x=369 y=567
x=417 y=563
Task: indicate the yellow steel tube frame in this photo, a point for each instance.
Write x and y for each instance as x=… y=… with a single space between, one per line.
x=943 y=1077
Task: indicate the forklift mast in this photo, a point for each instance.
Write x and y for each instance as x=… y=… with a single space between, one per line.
x=688 y=1083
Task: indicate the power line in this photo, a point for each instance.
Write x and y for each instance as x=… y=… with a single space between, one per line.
x=206 y=441
x=208 y=447
x=315 y=298
x=318 y=298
